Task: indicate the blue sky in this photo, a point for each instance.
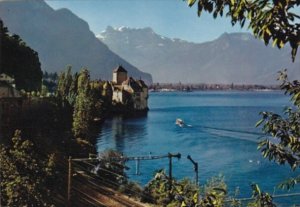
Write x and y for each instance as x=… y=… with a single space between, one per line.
x=171 y=18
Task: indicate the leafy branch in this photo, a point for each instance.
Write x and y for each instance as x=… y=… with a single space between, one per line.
x=269 y=20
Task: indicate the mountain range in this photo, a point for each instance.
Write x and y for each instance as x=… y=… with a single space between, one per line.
x=232 y=58
x=61 y=38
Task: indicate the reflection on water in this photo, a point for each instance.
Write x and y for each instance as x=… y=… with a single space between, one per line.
x=121 y=131
x=222 y=138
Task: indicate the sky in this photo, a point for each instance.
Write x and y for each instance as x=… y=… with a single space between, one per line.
x=170 y=18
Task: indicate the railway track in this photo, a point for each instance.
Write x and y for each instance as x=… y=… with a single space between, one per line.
x=90 y=191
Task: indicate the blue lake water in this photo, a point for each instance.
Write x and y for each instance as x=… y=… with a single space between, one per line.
x=221 y=137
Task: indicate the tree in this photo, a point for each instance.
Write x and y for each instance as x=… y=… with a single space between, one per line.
x=99 y=106
x=180 y=193
x=65 y=86
x=282 y=141
x=25 y=175
x=19 y=61
x=261 y=199
x=44 y=90
x=73 y=90
x=215 y=192
x=82 y=115
x=269 y=20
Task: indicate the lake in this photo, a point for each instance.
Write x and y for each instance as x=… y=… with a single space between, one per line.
x=220 y=136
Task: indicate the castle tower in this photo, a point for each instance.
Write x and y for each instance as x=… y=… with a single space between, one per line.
x=119 y=75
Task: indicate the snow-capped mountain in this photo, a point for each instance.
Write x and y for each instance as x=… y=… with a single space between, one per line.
x=232 y=58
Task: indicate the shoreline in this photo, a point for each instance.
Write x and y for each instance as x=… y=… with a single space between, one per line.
x=203 y=90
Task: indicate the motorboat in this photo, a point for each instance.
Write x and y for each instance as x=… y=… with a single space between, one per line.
x=179 y=122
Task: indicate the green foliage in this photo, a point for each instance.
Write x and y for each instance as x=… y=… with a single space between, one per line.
x=233 y=201
x=67 y=86
x=285 y=130
x=44 y=91
x=185 y=193
x=261 y=199
x=83 y=114
x=87 y=98
x=157 y=188
x=215 y=192
x=100 y=104
x=182 y=192
x=24 y=174
x=290 y=183
x=19 y=61
x=269 y=20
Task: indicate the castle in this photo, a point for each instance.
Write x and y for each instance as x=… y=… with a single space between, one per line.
x=128 y=91
x=123 y=92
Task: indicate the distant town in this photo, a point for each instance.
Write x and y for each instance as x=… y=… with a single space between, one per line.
x=165 y=87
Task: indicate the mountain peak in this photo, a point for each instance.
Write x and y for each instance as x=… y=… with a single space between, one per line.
x=129 y=35
x=27 y=5
x=236 y=36
x=61 y=38
x=114 y=29
x=232 y=58
x=147 y=29
x=127 y=29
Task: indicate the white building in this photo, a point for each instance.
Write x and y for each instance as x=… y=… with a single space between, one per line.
x=127 y=91
x=7 y=87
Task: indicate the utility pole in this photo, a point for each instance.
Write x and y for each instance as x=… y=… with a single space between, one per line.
x=170 y=156
x=195 y=168
x=69 y=181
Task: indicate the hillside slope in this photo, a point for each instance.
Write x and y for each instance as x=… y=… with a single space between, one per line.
x=61 y=38
x=232 y=58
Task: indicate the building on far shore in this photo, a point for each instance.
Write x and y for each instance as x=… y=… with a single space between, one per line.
x=7 y=87
x=128 y=91
x=11 y=102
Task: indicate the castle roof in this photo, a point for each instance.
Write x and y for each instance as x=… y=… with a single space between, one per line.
x=133 y=84
x=120 y=69
x=142 y=83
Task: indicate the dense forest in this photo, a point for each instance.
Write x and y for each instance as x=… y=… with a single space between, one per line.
x=19 y=61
